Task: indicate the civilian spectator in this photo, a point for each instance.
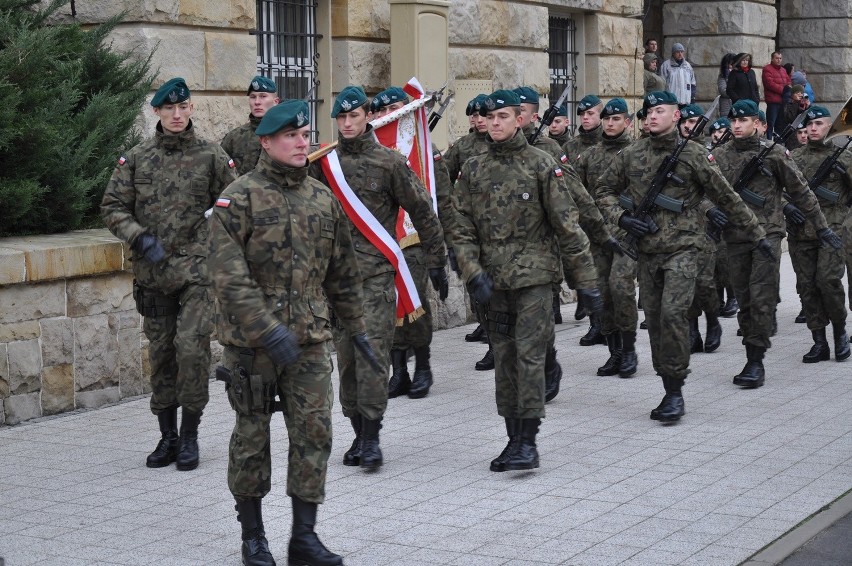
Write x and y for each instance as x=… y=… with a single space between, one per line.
x=742 y=82
x=775 y=78
x=801 y=78
x=722 y=83
x=679 y=76
x=651 y=46
x=653 y=81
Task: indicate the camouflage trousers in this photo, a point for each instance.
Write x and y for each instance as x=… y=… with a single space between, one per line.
x=363 y=389
x=706 y=297
x=756 y=279
x=722 y=272
x=667 y=289
x=819 y=272
x=617 y=284
x=520 y=326
x=417 y=334
x=307 y=396
x=179 y=352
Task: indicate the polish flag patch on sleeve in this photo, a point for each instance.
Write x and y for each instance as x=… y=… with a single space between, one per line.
x=557 y=172
x=122 y=160
x=564 y=158
x=231 y=163
x=710 y=158
x=223 y=202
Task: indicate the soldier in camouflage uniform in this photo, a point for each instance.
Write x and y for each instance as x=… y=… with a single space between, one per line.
x=558 y=129
x=416 y=334
x=616 y=271
x=156 y=201
x=755 y=277
x=382 y=180
x=515 y=221
x=241 y=143
x=668 y=258
x=728 y=305
x=819 y=269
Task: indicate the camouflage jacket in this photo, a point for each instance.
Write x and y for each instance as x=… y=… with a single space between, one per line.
x=466 y=147
x=383 y=181
x=581 y=142
x=733 y=157
x=443 y=192
x=809 y=157
x=517 y=220
x=163 y=186
x=546 y=144
x=594 y=160
x=243 y=145
x=561 y=139
x=279 y=245
x=631 y=172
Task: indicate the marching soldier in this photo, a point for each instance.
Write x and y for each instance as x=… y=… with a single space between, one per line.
x=558 y=129
x=156 y=201
x=241 y=143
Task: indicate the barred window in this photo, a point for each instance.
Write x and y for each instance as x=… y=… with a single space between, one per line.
x=563 y=56
x=287 y=50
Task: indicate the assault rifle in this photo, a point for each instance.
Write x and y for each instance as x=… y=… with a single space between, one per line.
x=665 y=173
x=825 y=169
x=550 y=115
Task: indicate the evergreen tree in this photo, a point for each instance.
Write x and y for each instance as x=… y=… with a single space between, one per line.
x=68 y=104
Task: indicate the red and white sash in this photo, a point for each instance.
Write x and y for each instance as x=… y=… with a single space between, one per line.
x=407 y=300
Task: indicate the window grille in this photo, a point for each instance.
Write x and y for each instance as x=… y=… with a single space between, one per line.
x=563 y=56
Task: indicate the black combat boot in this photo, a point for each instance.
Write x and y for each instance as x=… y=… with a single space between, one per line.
x=371 y=453
x=557 y=310
x=525 y=454
x=487 y=362
x=255 y=548
x=672 y=407
x=629 y=361
x=166 y=451
x=819 y=351
x=731 y=306
x=753 y=374
x=552 y=375
x=422 y=374
x=841 y=342
x=352 y=457
x=801 y=318
x=400 y=382
x=187 y=458
x=720 y=293
x=696 y=344
x=305 y=548
x=714 y=333
x=478 y=335
x=644 y=324
x=498 y=464
x=593 y=336
x=613 y=364
x=580 y=312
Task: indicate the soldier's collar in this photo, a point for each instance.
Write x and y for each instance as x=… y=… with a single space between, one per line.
x=667 y=141
x=283 y=175
x=751 y=142
x=175 y=141
x=359 y=143
x=509 y=147
x=254 y=121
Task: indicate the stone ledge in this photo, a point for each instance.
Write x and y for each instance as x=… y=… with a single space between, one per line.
x=59 y=256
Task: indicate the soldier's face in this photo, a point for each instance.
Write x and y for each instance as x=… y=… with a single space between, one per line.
x=528 y=114
x=687 y=125
x=591 y=118
x=557 y=128
x=717 y=135
x=260 y=102
x=818 y=128
x=743 y=127
x=503 y=123
x=662 y=119
x=289 y=146
x=616 y=124
x=480 y=123
x=175 y=117
x=802 y=135
x=352 y=124
x=388 y=109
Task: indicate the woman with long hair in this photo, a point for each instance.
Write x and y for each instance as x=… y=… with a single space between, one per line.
x=725 y=68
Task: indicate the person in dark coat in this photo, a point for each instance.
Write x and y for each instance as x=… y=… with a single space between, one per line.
x=742 y=82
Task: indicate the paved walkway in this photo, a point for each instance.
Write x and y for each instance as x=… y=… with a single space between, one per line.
x=741 y=469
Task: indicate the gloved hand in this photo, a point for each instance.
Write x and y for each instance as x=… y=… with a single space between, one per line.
x=150 y=247
x=766 y=248
x=793 y=214
x=718 y=218
x=454 y=264
x=438 y=276
x=281 y=346
x=828 y=236
x=614 y=246
x=591 y=299
x=633 y=225
x=480 y=288
x=362 y=344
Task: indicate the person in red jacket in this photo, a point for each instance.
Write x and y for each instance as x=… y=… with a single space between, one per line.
x=775 y=78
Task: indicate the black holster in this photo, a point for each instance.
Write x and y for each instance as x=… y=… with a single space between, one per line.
x=248 y=394
x=152 y=303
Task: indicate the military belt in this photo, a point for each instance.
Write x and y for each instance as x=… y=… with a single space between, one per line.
x=826 y=193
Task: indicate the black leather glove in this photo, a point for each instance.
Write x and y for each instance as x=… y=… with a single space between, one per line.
x=591 y=299
x=150 y=248
x=438 y=276
x=766 y=248
x=793 y=214
x=828 y=237
x=362 y=344
x=614 y=246
x=480 y=288
x=718 y=218
x=454 y=263
x=281 y=346
x=633 y=225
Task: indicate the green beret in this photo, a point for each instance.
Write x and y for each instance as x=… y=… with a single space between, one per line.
x=499 y=99
x=262 y=84
x=587 y=102
x=349 y=99
x=562 y=111
x=815 y=112
x=613 y=107
x=294 y=113
x=642 y=113
x=172 y=92
x=691 y=111
x=526 y=94
x=743 y=109
x=474 y=104
x=761 y=115
x=387 y=97
x=720 y=123
x=659 y=98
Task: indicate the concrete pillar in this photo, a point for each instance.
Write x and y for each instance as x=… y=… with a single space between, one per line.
x=419 y=47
